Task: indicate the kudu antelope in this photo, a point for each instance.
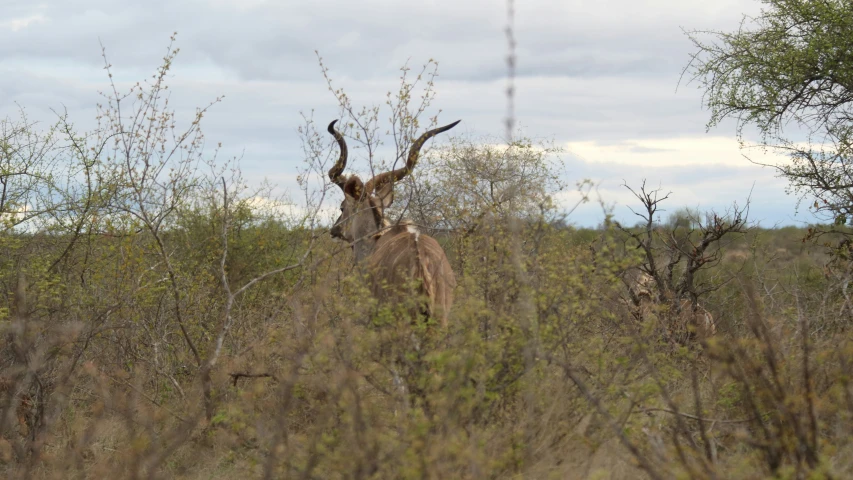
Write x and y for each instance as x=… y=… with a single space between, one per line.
x=394 y=255
x=642 y=288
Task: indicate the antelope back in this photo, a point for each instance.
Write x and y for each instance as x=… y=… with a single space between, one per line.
x=404 y=255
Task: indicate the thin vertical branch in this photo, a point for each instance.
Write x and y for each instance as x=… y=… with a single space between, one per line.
x=510 y=63
x=811 y=439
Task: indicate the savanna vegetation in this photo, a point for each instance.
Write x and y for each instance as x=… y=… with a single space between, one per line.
x=163 y=319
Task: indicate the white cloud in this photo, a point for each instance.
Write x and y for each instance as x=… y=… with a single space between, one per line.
x=20 y=23
x=674 y=152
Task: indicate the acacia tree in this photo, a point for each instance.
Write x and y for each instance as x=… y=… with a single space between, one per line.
x=458 y=185
x=789 y=73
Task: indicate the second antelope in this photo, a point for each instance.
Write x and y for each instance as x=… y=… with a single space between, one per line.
x=689 y=314
x=394 y=255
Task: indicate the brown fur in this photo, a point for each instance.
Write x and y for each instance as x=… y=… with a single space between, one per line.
x=402 y=254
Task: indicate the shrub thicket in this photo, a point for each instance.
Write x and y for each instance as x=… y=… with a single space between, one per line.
x=162 y=320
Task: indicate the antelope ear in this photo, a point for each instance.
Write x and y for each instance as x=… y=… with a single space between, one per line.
x=354 y=187
x=385 y=194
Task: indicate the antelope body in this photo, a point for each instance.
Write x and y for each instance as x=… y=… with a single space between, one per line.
x=394 y=256
x=641 y=288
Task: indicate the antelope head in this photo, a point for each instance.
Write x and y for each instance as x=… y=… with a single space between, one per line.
x=363 y=209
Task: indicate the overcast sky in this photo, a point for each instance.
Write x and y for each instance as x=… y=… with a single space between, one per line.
x=599 y=78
